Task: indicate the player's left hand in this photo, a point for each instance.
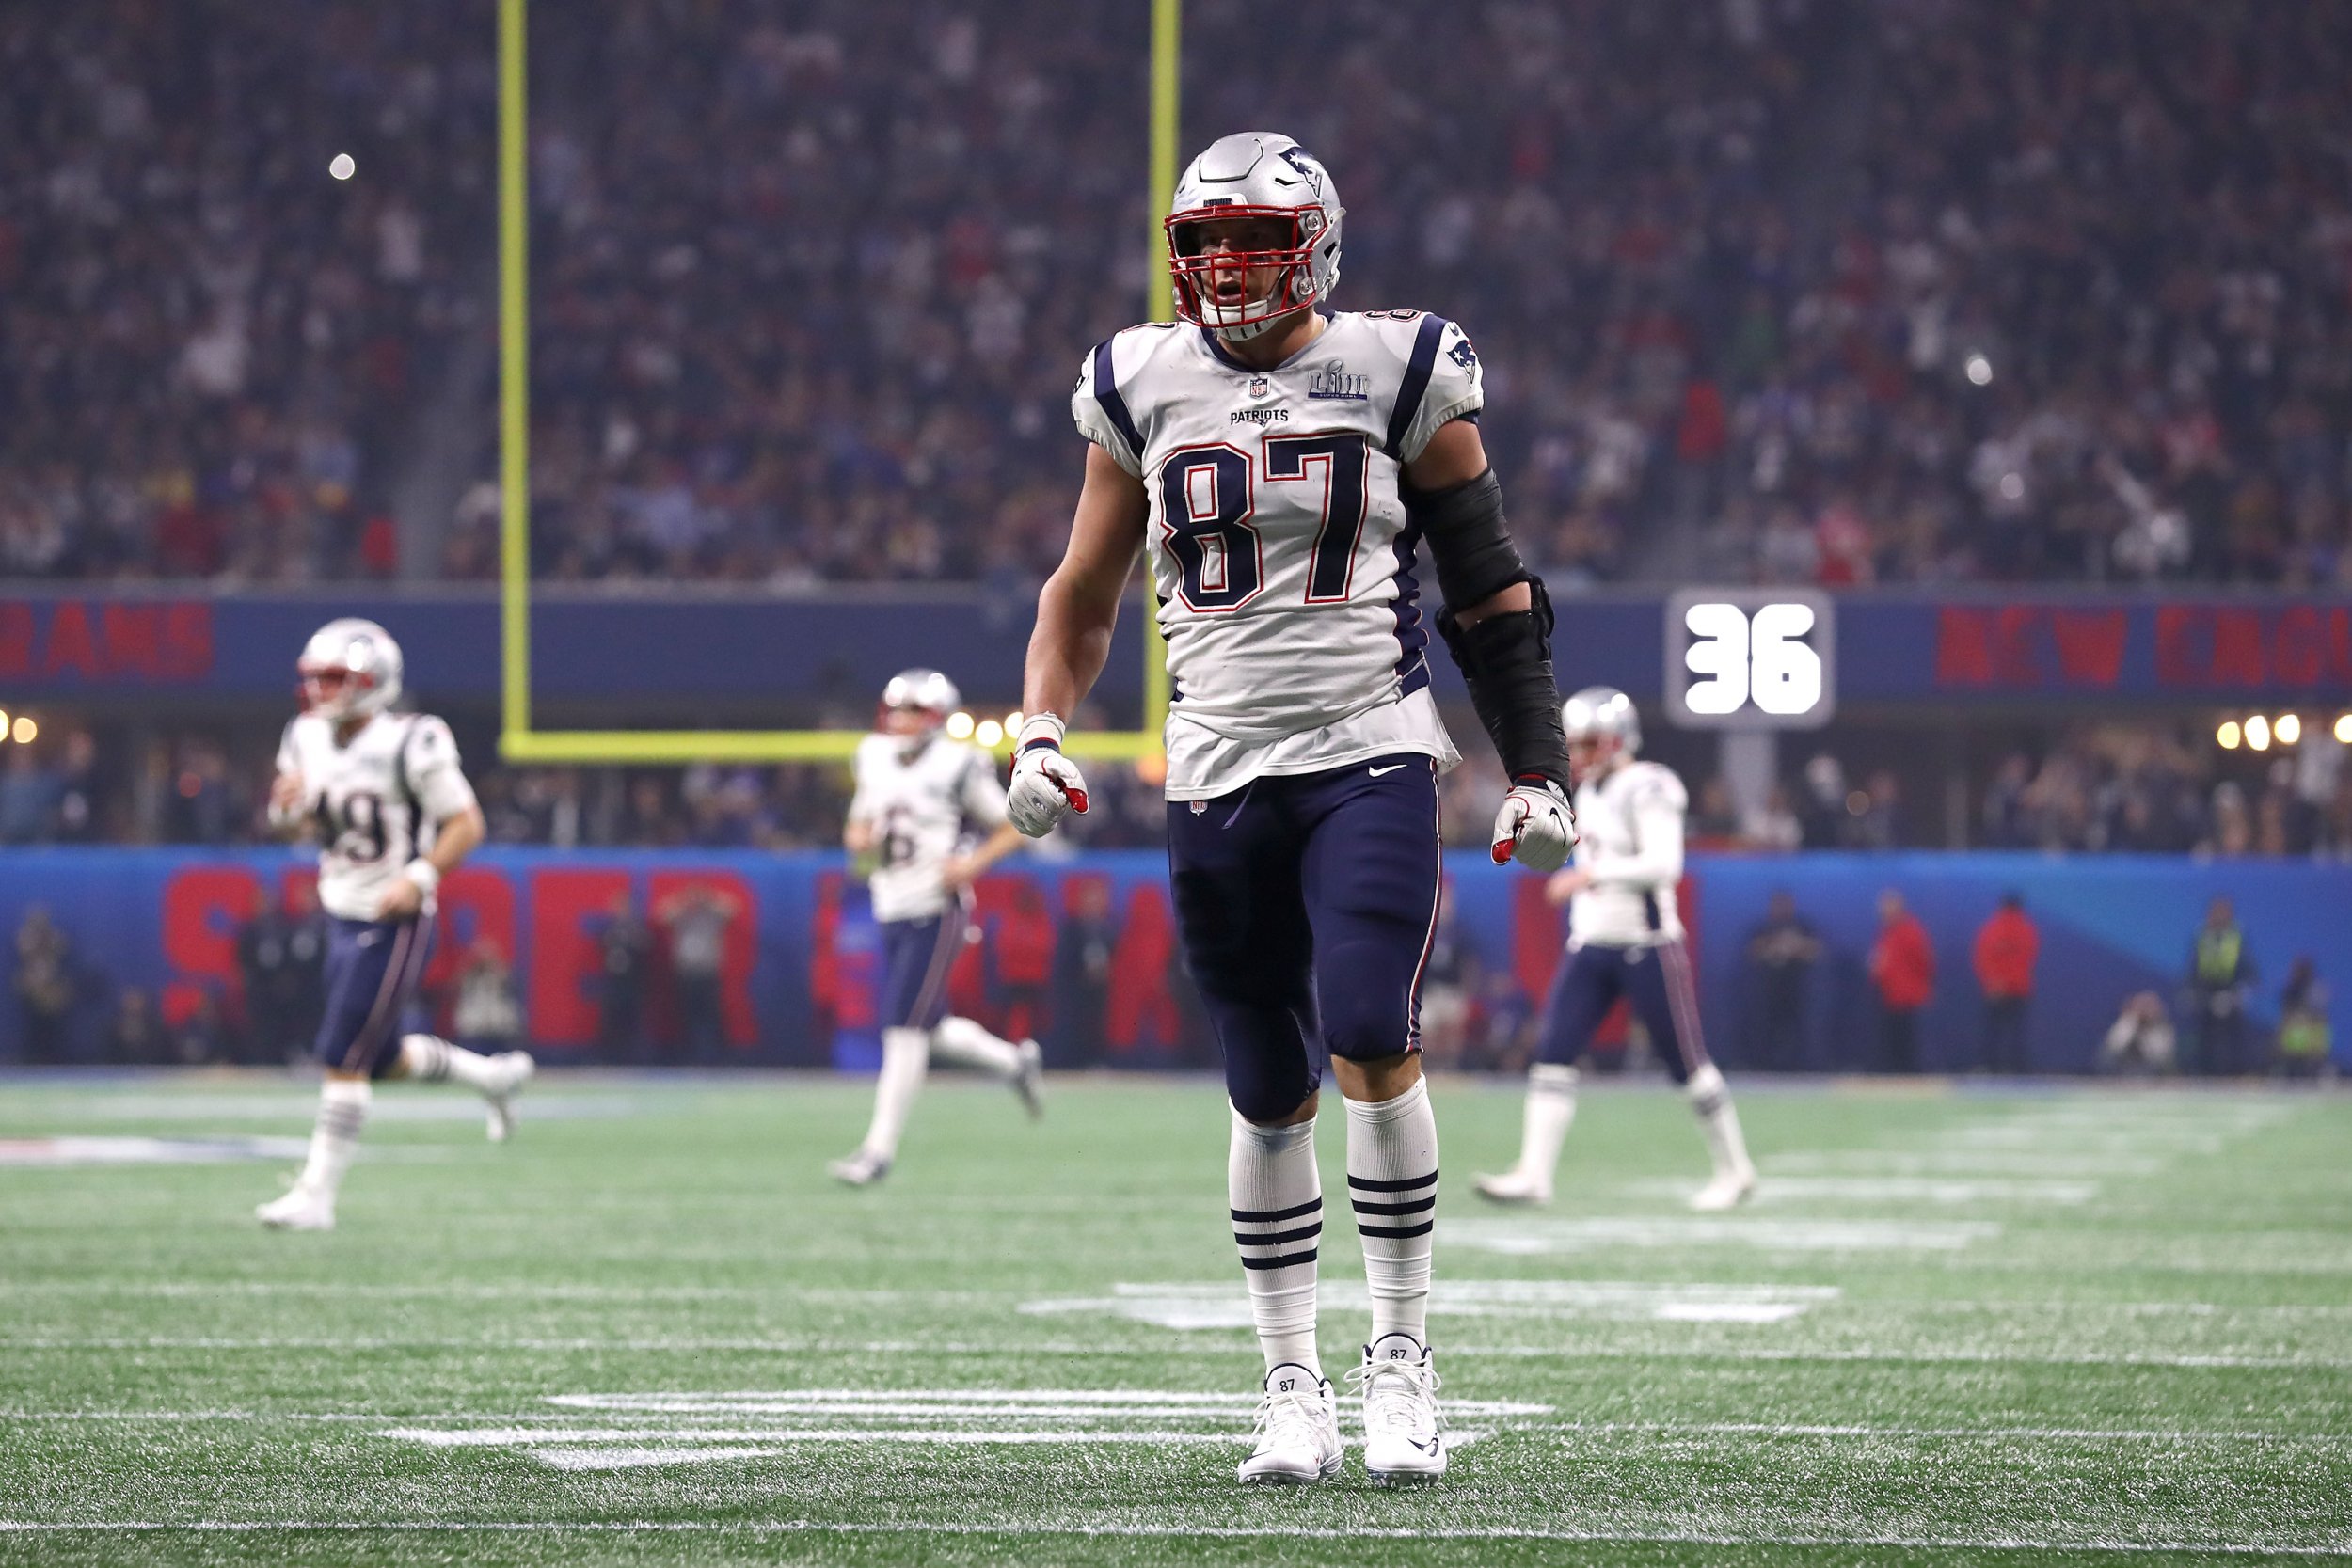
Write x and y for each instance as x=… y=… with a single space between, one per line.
x=400 y=900
x=1567 y=884
x=957 y=874
x=1535 y=827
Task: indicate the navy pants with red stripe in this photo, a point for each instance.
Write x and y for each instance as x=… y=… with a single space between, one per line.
x=1307 y=903
x=1656 y=980
x=916 y=957
x=374 y=968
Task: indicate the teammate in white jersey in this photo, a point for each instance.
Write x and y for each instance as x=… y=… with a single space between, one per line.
x=1276 y=464
x=1625 y=940
x=917 y=791
x=394 y=815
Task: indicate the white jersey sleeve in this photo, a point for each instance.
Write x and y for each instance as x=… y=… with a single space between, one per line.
x=983 y=792
x=1456 y=387
x=429 y=754
x=1099 y=409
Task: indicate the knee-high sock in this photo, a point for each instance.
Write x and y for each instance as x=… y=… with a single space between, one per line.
x=1276 y=1198
x=430 y=1059
x=906 y=1055
x=335 y=1137
x=959 y=1040
x=1710 y=1100
x=1543 y=1123
x=1392 y=1181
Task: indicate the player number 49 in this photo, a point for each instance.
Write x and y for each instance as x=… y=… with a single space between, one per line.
x=1745 y=658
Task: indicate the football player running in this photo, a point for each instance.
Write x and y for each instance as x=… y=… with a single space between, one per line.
x=916 y=791
x=1625 y=940
x=1277 y=463
x=394 y=815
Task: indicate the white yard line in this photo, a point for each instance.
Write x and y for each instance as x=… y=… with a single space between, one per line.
x=1174 y=1531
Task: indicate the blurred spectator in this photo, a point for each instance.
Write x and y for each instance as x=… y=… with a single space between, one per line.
x=1082 y=973
x=695 y=920
x=624 y=947
x=200 y=1036
x=2008 y=945
x=2140 y=1039
x=46 y=986
x=1446 y=976
x=271 y=973
x=1782 y=951
x=2305 y=1040
x=29 y=794
x=488 y=1017
x=2220 y=978
x=134 y=1036
x=1902 y=967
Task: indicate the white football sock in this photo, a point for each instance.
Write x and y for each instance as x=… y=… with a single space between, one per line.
x=959 y=1040
x=1710 y=1100
x=1276 y=1198
x=1392 y=1181
x=906 y=1056
x=335 y=1136
x=430 y=1059
x=1543 y=1123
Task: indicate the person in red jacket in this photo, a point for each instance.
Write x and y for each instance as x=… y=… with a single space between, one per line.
x=2007 y=945
x=1902 y=967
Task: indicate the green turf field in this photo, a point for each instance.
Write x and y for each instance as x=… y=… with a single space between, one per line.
x=1959 y=1328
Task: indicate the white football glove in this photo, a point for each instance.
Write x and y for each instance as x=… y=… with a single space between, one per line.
x=1535 y=827
x=1046 y=785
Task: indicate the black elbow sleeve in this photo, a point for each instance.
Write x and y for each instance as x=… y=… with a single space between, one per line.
x=1505 y=658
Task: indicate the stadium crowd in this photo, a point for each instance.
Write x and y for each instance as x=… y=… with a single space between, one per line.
x=1797 y=289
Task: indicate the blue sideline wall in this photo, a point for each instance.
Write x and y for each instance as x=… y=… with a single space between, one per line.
x=801 y=966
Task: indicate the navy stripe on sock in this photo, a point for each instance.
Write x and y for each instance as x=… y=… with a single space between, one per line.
x=1366 y=1184
x=1423 y=1229
x=1278 y=1238
x=1418 y=1206
x=1282 y=1262
x=1269 y=1216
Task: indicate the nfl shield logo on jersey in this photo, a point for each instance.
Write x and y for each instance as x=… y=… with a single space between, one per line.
x=1260 y=387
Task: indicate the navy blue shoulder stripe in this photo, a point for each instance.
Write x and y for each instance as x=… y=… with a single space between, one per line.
x=1416 y=383
x=1114 y=406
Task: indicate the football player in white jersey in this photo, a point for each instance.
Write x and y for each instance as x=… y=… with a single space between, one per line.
x=1625 y=940
x=916 y=790
x=1277 y=463
x=394 y=815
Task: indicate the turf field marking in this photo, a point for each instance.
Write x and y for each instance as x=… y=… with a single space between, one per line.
x=758 y=1529
x=1524 y=1238
x=61 y=1153
x=1954 y=1191
x=1222 y=1304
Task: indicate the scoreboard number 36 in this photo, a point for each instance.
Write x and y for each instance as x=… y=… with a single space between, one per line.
x=1751 y=658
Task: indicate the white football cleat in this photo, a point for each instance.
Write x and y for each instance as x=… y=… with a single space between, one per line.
x=1298 y=1431
x=1728 y=1190
x=1511 y=1187
x=1403 y=1439
x=301 y=1209
x=1028 y=1078
x=516 y=1067
x=862 y=1169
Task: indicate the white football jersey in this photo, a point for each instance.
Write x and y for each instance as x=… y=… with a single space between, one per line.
x=917 y=807
x=1630 y=838
x=373 y=801
x=1280 y=555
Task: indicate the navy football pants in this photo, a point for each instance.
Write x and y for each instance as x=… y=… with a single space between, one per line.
x=374 y=968
x=916 y=957
x=1657 y=980
x=1307 y=903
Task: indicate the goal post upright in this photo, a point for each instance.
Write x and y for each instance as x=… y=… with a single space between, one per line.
x=519 y=741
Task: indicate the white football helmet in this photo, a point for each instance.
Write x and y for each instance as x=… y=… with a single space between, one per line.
x=926 y=696
x=350 y=669
x=1253 y=174
x=1602 y=715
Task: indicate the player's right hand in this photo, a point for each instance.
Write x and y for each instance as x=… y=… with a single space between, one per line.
x=1046 y=786
x=285 y=799
x=1535 y=827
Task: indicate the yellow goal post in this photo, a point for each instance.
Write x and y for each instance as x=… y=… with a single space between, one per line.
x=519 y=740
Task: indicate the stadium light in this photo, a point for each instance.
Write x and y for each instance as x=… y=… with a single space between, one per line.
x=989 y=734
x=1979 y=370
x=2289 y=728
x=24 y=730
x=2344 y=728
x=2258 y=732
x=2228 y=735
x=343 y=166
x=4 y=723
x=959 y=725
